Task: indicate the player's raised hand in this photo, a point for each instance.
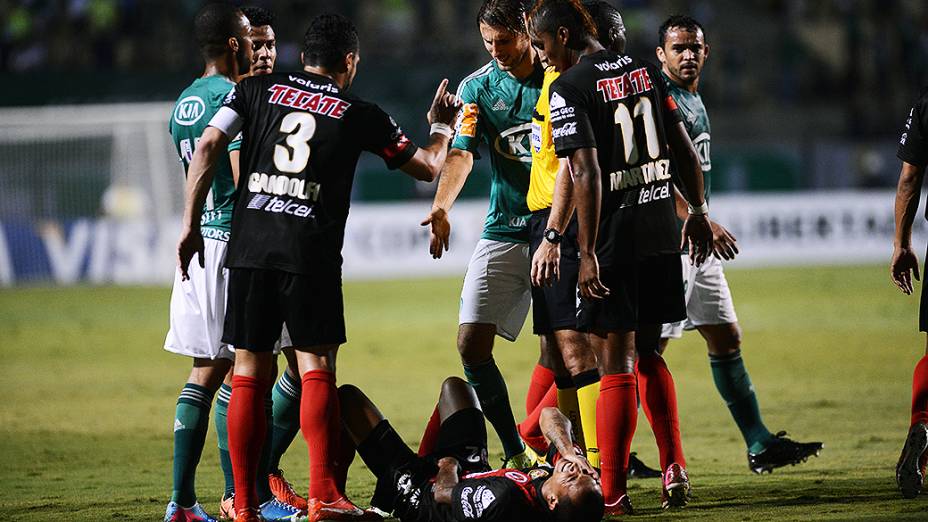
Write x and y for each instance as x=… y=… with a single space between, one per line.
x=588 y=281
x=697 y=234
x=581 y=463
x=724 y=244
x=441 y=231
x=903 y=266
x=546 y=264
x=191 y=242
x=445 y=106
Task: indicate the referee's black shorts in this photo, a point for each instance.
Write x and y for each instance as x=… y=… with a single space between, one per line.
x=555 y=307
x=648 y=291
x=261 y=301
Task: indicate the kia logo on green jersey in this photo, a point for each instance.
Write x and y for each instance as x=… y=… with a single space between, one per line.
x=189 y=111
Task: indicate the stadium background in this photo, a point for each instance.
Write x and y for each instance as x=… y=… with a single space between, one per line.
x=806 y=99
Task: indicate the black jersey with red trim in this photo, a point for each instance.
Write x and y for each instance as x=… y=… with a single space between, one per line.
x=618 y=105
x=504 y=495
x=302 y=138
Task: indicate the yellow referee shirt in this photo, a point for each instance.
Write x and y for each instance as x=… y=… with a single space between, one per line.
x=544 y=159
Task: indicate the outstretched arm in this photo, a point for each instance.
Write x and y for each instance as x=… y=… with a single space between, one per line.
x=426 y=163
x=212 y=143
x=457 y=168
x=904 y=262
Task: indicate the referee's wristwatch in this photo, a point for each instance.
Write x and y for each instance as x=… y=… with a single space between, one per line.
x=553 y=236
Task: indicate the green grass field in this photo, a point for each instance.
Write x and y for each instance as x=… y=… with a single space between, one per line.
x=88 y=395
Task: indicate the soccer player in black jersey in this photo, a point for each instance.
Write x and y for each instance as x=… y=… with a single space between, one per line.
x=302 y=136
x=614 y=122
x=454 y=482
x=913 y=152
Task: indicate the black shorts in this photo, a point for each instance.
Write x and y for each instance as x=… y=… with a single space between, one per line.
x=555 y=307
x=404 y=478
x=261 y=301
x=649 y=291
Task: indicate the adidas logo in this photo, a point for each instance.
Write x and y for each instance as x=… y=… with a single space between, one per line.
x=500 y=105
x=557 y=101
x=178 y=425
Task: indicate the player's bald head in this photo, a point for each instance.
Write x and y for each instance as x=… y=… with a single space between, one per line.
x=582 y=502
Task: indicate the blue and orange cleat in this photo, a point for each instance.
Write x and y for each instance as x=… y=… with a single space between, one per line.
x=176 y=513
x=276 y=511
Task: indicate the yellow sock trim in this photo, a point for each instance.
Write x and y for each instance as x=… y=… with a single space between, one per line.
x=586 y=399
x=567 y=403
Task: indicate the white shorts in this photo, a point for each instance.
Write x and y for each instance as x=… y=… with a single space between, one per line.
x=497 y=287
x=198 y=306
x=708 y=299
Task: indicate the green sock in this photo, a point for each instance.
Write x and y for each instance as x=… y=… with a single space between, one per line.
x=220 y=417
x=494 y=399
x=286 y=422
x=734 y=385
x=191 y=420
x=262 y=485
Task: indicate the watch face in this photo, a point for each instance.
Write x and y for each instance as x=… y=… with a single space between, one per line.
x=552 y=236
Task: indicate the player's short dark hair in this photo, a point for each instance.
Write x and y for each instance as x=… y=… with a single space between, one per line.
x=548 y=15
x=329 y=38
x=588 y=508
x=606 y=17
x=258 y=16
x=681 y=21
x=213 y=25
x=507 y=14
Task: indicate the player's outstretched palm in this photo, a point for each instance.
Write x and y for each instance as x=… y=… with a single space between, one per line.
x=191 y=242
x=445 y=106
x=697 y=234
x=724 y=244
x=441 y=231
x=904 y=265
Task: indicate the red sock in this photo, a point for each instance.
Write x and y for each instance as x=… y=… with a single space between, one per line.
x=530 y=429
x=320 y=421
x=247 y=425
x=920 y=392
x=430 y=437
x=538 y=388
x=616 y=417
x=659 y=401
x=346 y=450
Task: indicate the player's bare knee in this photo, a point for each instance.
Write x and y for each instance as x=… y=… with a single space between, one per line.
x=723 y=339
x=475 y=342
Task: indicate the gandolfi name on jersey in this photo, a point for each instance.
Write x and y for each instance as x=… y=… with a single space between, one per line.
x=625 y=85
x=314 y=102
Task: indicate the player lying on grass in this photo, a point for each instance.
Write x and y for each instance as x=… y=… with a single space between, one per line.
x=454 y=482
x=682 y=52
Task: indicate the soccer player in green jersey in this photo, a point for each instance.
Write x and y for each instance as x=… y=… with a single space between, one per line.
x=498 y=101
x=709 y=308
x=198 y=303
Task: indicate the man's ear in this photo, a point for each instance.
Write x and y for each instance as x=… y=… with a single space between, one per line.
x=562 y=35
x=302 y=61
x=660 y=54
x=233 y=44
x=705 y=52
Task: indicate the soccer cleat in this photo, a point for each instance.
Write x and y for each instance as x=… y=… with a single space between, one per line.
x=284 y=492
x=782 y=452
x=638 y=469
x=175 y=513
x=227 y=507
x=527 y=459
x=623 y=506
x=249 y=515
x=340 y=510
x=676 y=489
x=276 y=511
x=910 y=473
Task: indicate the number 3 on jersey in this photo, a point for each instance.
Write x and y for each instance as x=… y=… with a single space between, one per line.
x=299 y=128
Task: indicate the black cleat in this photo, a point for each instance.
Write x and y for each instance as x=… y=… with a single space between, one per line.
x=781 y=453
x=909 y=473
x=638 y=469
